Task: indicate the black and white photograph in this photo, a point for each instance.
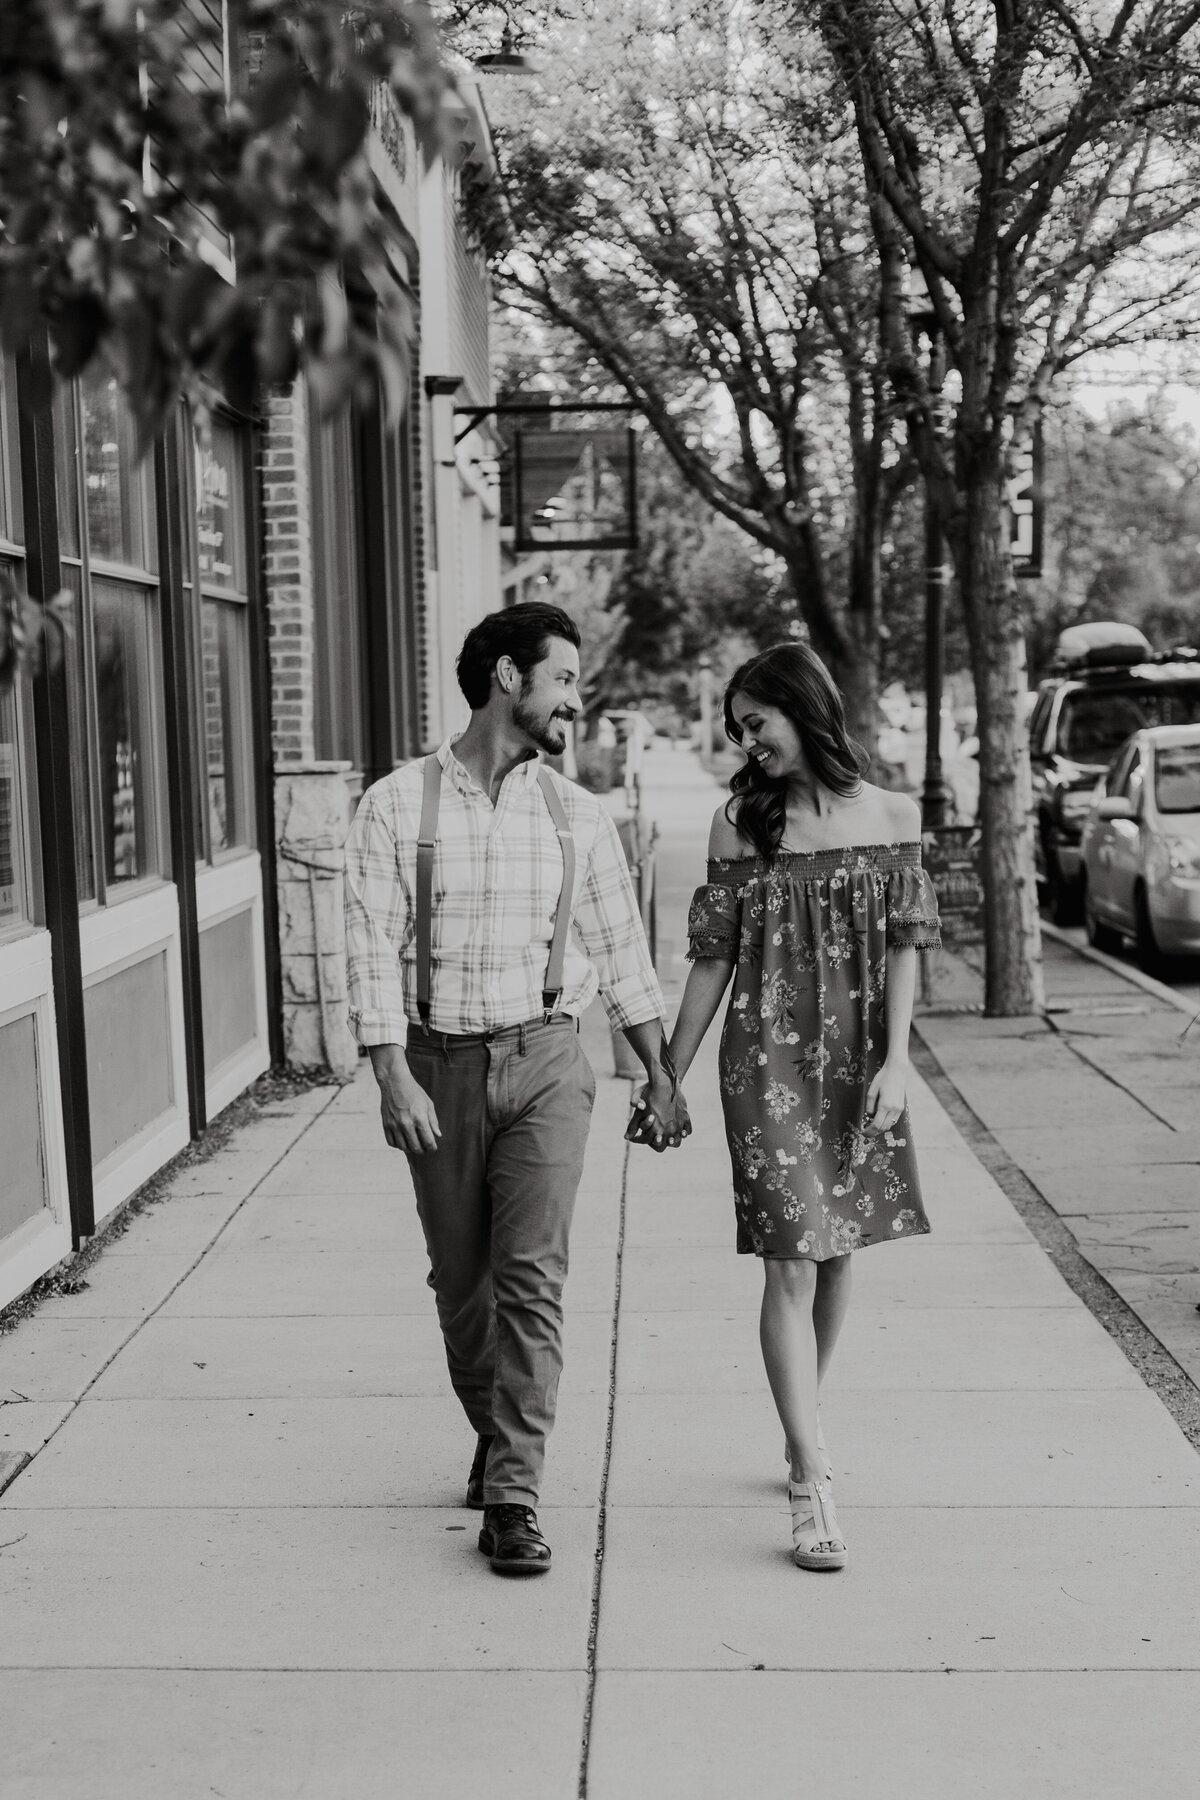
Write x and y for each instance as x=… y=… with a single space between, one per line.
x=599 y=715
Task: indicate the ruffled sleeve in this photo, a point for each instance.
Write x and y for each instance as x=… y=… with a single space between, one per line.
x=912 y=910
x=713 y=923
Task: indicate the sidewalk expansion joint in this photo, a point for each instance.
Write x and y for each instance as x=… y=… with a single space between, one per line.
x=1162 y=1374
x=589 y=1699
x=1066 y=1035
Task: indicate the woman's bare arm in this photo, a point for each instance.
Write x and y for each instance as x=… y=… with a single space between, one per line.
x=710 y=976
x=706 y=982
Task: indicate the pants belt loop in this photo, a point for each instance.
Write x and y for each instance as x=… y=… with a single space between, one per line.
x=522 y=1041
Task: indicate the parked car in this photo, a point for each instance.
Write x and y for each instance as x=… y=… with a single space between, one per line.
x=1141 y=848
x=1106 y=683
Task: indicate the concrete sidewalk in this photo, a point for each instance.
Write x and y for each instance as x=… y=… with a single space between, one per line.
x=239 y=1564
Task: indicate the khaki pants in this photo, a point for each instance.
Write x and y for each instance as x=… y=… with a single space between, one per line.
x=495 y=1202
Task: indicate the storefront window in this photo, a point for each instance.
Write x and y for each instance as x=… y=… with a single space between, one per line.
x=220 y=510
x=67 y=477
x=14 y=900
x=15 y=761
x=126 y=656
x=219 y=560
x=76 y=656
x=11 y=527
x=120 y=518
x=113 y=659
x=226 y=724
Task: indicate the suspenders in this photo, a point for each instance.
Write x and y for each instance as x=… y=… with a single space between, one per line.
x=431 y=795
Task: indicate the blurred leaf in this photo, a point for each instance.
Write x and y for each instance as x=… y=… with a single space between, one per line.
x=76 y=333
x=82 y=249
x=278 y=353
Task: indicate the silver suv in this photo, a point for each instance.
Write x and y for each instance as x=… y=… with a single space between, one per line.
x=1106 y=683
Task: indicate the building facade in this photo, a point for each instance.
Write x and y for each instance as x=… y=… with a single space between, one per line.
x=264 y=615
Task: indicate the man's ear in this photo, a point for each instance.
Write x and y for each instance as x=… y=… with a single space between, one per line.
x=506 y=674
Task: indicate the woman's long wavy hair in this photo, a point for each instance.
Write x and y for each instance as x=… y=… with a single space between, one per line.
x=792 y=678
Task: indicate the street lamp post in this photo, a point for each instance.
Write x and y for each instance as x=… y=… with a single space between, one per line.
x=937 y=797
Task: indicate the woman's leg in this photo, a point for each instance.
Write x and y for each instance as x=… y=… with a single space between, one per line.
x=789 y=1347
x=829 y=1308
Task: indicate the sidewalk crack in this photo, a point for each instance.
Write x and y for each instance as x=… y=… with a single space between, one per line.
x=585 y=1741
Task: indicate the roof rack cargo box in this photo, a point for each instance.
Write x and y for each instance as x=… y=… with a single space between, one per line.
x=1106 y=644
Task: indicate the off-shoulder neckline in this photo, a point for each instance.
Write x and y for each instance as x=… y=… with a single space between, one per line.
x=908 y=850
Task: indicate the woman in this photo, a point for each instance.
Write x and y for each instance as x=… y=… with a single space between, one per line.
x=816 y=905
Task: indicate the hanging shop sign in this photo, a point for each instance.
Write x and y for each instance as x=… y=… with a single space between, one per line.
x=574 y=490
x=953 y=860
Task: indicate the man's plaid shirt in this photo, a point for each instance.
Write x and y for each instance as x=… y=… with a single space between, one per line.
x=497 y=874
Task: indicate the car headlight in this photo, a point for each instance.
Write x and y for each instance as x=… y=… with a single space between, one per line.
x=1183 y=856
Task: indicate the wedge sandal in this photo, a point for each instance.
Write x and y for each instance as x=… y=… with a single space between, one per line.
x=816 y=1541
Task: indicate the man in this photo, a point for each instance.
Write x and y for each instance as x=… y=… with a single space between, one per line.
x=462 y=946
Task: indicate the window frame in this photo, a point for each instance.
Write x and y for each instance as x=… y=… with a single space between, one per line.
x=25 y=839
x=87 y=567
x=198 y=593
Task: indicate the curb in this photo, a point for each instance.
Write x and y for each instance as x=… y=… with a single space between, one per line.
x=1159 y=989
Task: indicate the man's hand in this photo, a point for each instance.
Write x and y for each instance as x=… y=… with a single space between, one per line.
x=410 y=1122
x=660 y=1116
x=885 y=1097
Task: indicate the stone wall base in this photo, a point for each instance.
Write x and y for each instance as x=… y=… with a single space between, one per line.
x=312 y=816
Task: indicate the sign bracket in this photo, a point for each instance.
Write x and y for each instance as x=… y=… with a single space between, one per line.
x=547 y=408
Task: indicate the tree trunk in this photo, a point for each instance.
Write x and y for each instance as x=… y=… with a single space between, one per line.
x=856 y=670
x=1013 y=939
x=849 y=645
x=864 y=599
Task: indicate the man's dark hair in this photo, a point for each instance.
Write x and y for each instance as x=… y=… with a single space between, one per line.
x=521 y=632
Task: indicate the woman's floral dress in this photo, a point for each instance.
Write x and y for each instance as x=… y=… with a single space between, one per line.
x=804 y=1036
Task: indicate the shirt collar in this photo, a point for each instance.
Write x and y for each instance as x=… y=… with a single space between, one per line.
x=524 y=773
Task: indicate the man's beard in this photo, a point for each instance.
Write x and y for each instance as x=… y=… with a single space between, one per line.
x=549 y=734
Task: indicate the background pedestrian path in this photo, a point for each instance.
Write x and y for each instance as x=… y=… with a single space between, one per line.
x=237 y=1561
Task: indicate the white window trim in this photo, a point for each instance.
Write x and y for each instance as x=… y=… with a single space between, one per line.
x=223 y=891
x=26 y=990
x=111 y=939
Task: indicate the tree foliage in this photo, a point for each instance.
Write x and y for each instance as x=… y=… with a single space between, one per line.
x=686 y=205
x=1123 y=527
x=191 y=234
x=1037 y=162
x=184 y=203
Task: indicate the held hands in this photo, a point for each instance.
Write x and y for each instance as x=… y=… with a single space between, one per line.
x=885 y=1098
x=660 y=1115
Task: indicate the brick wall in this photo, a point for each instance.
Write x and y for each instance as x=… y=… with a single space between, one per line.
x=415 y=503
x=288 y=565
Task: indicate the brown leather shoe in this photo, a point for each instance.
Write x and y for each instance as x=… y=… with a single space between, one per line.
x=511 y=1541
x=474 y=1497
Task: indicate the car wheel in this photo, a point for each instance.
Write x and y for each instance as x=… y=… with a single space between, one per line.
x=1099 y=935
x=1063 y=897
x=1150 y=957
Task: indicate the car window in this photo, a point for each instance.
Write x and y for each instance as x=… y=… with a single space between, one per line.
x=1094 y=722
x=1039 y=719
x=1177 y=779
x=1114 y=781
x=1135 y=781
